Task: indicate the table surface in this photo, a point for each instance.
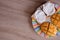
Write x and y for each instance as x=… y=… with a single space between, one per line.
x=15 y=20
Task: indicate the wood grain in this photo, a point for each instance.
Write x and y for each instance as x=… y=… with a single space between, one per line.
x=15 y=21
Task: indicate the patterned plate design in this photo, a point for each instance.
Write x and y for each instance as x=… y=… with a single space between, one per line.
x=48 y=28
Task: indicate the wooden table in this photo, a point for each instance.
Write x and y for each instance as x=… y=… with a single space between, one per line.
x=15 y=20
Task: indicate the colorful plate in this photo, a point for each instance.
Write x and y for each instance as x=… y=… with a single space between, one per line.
x=37 y=27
